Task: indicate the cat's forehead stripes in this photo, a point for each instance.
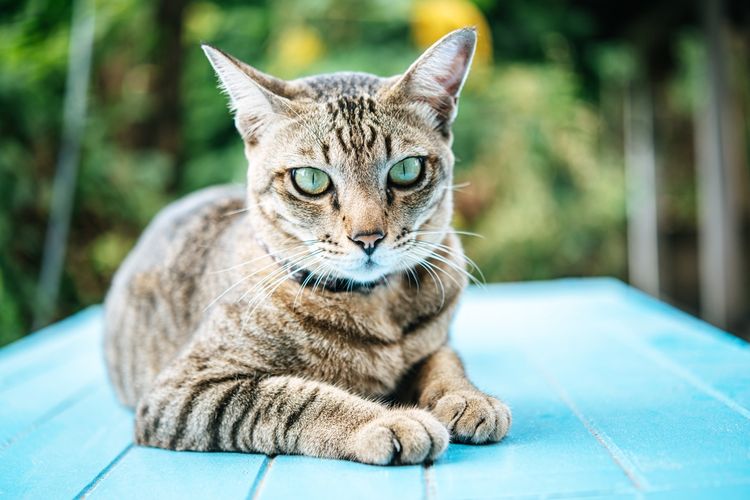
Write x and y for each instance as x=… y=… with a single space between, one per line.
x=351 y=109
x=351 y=114
x=331 y=86
x=354 y=125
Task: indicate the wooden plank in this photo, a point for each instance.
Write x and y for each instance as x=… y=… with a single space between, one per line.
x=35 y=392
x=64 y=454
x=673 y=433
x=46 y=335
x=50 y=346
x=693 y=349
x=614 y=395
x=548 y=450
x=25 y=404
x=154 y=473
x=713 y=492
x=310 y=478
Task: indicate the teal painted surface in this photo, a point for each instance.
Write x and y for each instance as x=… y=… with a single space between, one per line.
x=305 y=477
x=153 y=473
x=614 y=395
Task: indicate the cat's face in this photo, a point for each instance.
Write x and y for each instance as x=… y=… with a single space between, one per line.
x=350 y=174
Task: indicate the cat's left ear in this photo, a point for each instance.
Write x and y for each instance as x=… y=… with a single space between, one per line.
x=256 y=99
x=434 y=82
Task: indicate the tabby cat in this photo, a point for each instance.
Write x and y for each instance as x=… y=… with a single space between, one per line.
x=308 y=313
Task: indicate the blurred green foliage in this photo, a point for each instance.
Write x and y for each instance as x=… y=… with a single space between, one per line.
x=539 y=174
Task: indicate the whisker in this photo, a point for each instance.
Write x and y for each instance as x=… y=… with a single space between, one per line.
x=453 y=231
x=241 y=280
x=265 y=280
x=327 y=277
x=387 y=282
x=307 y=279
x=268 y=291
x=435 y=278
x=235 y=212
x=260 y=257
x=455 y=253
x=270 y=264
x=453 y=265
x=227 y=291
x=270 y=287
x=458 y=187
x=282 y=271
x=317 y=281
x=410 y=273
x=432 y=255
x=466 y=259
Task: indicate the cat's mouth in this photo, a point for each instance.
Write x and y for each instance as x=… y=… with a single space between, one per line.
x=365 y=270
x=369 y=271
x=362 y=277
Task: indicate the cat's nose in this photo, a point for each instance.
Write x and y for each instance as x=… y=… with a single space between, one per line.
x=368 y=241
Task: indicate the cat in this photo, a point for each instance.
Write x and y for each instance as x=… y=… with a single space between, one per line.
x=308 y=313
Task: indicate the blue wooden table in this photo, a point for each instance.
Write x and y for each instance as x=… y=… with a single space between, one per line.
x=613 y=395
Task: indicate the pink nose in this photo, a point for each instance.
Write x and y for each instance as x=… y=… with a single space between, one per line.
x=368 y=241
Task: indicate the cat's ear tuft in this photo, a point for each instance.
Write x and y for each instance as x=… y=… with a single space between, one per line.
x=255 y=98
x=437 y=77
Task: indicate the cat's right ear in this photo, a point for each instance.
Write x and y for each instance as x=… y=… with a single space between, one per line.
x=433 y=83
x=255 y=98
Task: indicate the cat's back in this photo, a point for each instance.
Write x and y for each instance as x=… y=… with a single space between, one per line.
x=176 y=238
x=149 y=301
x=174 y=225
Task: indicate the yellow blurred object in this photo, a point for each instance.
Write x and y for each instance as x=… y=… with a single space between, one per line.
x=431 y=19
x=297 y=48
x=202 y=21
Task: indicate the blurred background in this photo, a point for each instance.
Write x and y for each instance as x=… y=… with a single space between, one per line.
x=594 y=138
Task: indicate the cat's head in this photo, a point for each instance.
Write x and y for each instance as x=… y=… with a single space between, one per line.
x=350 y=174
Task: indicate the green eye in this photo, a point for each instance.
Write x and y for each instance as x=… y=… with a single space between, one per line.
x=406 y=172
x=310 y=180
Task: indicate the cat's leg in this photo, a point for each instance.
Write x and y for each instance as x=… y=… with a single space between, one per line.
x=440 y=385
x=203 y=403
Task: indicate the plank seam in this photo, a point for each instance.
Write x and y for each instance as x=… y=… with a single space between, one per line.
x=89 y=488
x=614 y=451
x=260 y=478
x=430 y=487
x=56 y=410
x=684 y=373
x=587 y=494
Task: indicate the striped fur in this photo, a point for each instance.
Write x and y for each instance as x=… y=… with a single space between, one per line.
x=219 y=344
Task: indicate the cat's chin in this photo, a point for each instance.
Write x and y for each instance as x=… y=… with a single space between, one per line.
x=367 y=273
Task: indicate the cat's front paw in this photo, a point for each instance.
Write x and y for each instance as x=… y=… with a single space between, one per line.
x=473 y=417
x=400 y=437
